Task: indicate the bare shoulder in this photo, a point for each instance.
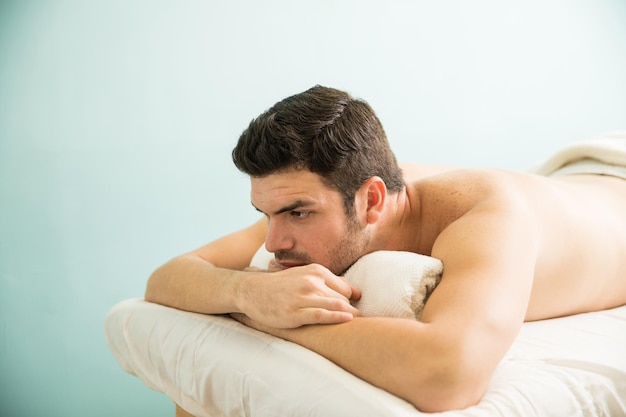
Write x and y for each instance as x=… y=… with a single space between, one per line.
x=571 y=202
x=413 y=172
x=577 y=224
x=454 y=185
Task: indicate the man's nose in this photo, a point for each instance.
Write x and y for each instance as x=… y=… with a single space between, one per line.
x=277 y=238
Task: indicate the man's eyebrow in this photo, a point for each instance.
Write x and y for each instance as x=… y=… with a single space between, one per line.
x=295 y=205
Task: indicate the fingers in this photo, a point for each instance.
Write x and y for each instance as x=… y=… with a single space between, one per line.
x=304 y=317
x=334 y=293
x=322 y=316
x=343 y=287
x=356 y=294
x=298 y=296
x=340 y=305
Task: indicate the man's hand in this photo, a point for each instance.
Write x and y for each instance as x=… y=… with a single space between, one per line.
x=297 y=296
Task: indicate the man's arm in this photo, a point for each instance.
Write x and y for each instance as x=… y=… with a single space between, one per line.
x=205 y=280
x=211 y=280
x=419 y=362
x=470 y=320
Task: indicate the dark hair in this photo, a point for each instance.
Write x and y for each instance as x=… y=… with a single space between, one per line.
x=325 y=131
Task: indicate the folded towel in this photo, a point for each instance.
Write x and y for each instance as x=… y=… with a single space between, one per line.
x=603 y=155
x=392 y=283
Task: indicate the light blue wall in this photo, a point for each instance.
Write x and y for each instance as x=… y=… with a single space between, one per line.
x=117 y=119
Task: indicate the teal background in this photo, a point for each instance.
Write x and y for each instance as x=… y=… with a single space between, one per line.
x=117 y=119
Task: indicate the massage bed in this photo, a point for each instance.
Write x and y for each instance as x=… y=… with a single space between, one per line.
x=214 y=366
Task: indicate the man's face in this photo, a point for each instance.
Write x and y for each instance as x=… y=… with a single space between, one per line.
x=307 y=222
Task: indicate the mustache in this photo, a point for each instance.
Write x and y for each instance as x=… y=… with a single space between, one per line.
x=300 y=257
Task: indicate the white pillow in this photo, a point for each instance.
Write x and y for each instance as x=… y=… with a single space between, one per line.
x=393 y=283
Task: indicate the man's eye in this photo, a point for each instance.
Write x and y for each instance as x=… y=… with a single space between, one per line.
x=299 y=214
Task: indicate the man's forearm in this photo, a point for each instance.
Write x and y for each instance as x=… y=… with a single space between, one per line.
x=192 y=284
x=404 y=357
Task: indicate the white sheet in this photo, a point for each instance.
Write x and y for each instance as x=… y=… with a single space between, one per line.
x=214 y=366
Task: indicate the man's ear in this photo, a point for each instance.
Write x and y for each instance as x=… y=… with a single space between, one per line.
x=376 y=192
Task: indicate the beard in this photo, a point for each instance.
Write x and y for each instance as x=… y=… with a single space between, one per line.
x=340 y=256
x=349 y=248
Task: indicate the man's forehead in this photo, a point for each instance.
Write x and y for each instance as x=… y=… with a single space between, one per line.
x=288 y=188
x=292 y=181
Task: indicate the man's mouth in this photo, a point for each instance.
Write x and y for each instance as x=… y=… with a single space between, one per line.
x=274 y=264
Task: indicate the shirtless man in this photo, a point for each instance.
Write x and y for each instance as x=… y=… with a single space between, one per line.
x=515 y=247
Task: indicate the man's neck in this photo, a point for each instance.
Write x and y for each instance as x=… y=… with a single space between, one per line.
x=401 y=225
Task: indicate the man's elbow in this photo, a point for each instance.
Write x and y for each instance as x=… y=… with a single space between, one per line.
x=151 y=293
x=450 y=398
x=453 y=383
x=157 y=285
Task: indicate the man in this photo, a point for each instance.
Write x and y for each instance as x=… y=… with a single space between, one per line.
x=515 y=247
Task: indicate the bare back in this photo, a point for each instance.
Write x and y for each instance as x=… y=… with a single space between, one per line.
x=581 y=221
x=583 y=259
